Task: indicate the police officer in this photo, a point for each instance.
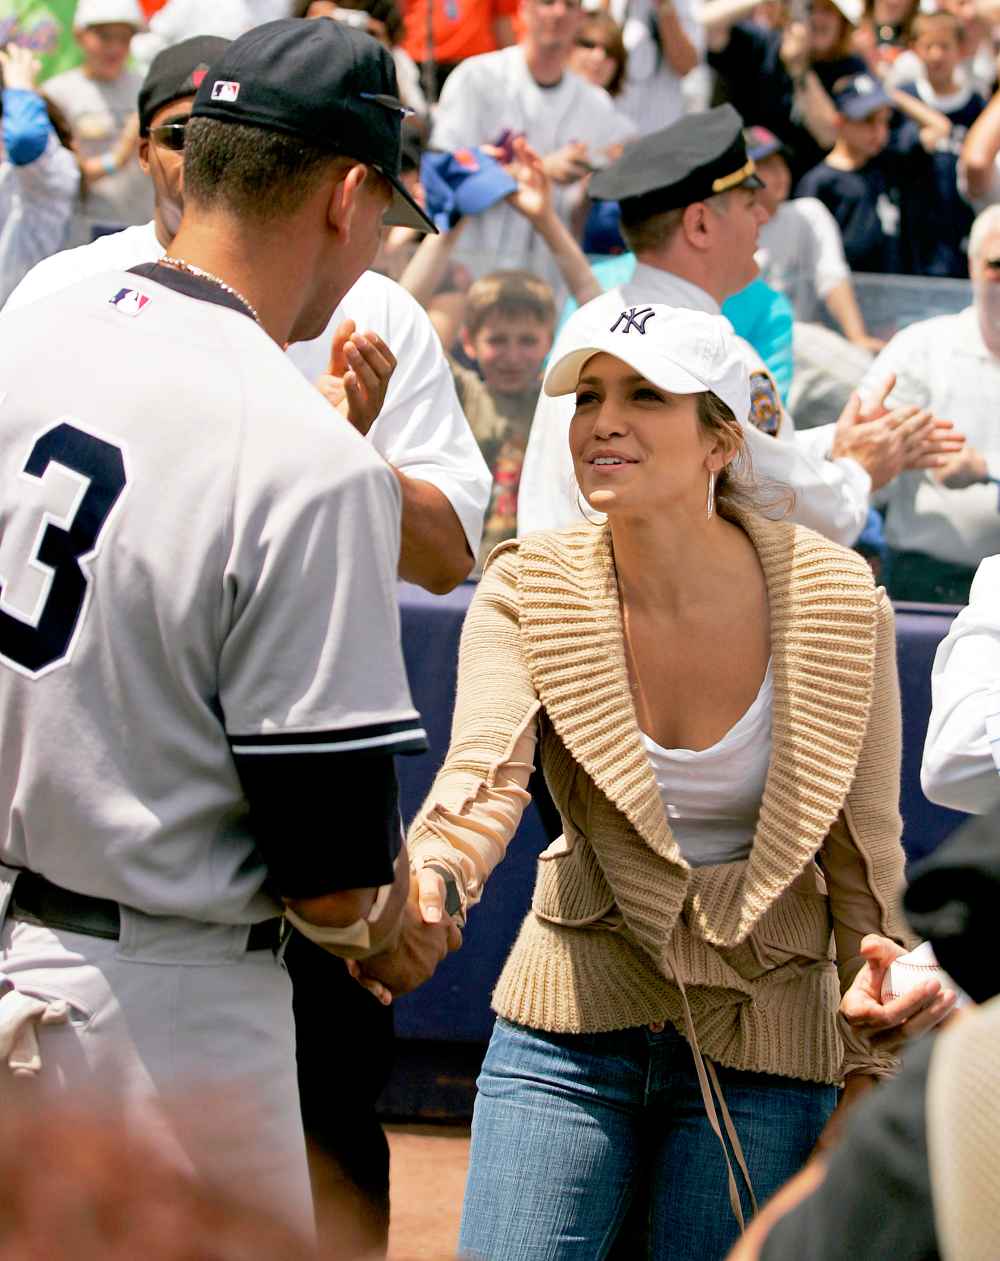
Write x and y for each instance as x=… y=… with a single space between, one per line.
x=689 y=212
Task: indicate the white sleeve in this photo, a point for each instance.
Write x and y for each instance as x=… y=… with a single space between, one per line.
x=311 y=683
x=962 y=751
x=992 y=193
x=606 y=124
x=48 y=189
x=457 y=116
x=831 y=496
x=831 y=262
x=421 y=429
x=546 y=496
x=311 y=648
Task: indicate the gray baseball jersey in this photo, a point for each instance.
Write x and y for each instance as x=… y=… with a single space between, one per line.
x=199 y=639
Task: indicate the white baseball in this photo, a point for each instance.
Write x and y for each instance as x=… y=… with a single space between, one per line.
x=913 y=969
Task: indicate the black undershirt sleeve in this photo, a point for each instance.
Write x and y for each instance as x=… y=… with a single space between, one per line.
x=324 y=822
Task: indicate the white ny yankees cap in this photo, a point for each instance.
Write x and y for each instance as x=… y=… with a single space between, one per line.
x=679 y=350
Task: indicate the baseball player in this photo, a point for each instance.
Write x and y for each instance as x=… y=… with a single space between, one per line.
x=200 y=667
x=422 y=433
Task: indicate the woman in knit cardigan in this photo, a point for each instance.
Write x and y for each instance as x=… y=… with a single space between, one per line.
x=714 y=698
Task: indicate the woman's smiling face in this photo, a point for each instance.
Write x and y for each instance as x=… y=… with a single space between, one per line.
x=636 y=447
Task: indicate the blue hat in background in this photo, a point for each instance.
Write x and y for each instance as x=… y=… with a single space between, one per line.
x=465 y=182
x=859 y=95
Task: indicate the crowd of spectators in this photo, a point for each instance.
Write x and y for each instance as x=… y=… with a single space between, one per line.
x=874 y=133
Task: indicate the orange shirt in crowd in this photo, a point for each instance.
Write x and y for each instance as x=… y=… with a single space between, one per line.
x=462 y=28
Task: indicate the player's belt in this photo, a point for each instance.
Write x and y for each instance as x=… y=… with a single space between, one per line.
x=39 y=901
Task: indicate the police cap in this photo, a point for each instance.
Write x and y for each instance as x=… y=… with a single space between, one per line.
x=696 y=157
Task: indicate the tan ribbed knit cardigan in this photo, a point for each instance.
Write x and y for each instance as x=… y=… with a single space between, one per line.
x=617 y=912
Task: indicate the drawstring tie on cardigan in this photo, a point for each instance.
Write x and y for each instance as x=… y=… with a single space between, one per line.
x=708 y=1081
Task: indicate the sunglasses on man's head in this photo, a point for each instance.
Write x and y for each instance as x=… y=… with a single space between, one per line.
x=169 y=136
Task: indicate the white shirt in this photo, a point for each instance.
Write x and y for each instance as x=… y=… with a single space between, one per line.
x=961 y=766
x=801 y=255
x=36 y=205
x=944 y=364
x=421 y=430
x=233 y=630
x=831 y=495
x=712 y=796
x=494 y=92
x=652 y=95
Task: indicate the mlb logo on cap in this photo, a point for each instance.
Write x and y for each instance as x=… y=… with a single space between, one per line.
x=130 y=301
x=225 y=90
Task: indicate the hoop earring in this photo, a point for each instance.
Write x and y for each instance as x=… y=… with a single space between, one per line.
x=711 y=494
x=582 y=506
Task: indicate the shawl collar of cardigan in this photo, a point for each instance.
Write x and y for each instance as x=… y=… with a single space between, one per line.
x=823 y=632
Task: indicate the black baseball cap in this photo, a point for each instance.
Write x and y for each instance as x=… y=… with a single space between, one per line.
x=321 y=80
x=696 y=157
x=175 y=73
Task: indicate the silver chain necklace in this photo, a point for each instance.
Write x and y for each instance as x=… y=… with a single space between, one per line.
x=180 y=265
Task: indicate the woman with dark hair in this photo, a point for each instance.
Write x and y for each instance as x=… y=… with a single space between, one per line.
x=599 y=53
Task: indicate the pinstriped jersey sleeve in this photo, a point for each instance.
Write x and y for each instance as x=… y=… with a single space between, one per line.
x=313 y=688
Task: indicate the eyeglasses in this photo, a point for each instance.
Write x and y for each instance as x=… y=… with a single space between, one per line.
x=591 y=44
x=169 y=136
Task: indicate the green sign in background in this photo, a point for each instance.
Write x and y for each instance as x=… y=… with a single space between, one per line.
x=46 y=26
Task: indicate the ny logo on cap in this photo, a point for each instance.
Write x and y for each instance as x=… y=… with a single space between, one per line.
x=634 y=319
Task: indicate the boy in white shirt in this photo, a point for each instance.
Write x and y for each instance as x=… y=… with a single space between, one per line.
x=526 y=90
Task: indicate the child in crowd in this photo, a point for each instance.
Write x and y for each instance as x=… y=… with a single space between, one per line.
x=480 y=181
x=801 y=253
x=864 y=182
x=509 y=326
x=99 y=100
x=941 y=220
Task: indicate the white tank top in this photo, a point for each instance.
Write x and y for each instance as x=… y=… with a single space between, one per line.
x=712 y=796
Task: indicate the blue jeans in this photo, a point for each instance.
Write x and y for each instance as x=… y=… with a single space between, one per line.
x=569 y=1128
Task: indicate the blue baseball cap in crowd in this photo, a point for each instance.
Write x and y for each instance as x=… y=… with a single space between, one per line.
x=858 y=96
x=465 y=182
